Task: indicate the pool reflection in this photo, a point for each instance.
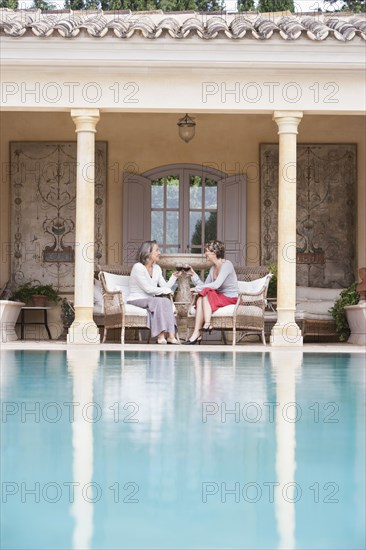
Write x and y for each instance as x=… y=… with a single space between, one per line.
x=82 y=365
x=185 y=450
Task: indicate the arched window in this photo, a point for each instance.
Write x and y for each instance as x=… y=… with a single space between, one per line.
x=183 y=206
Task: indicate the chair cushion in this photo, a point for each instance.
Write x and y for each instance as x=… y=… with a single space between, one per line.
x=125 y=291
x=253 y=286
x=98 y=309
x=228 y=311
x=134 y=310
x=314 y=293
x=98 y=298
x=118 y=283
x=315 y=307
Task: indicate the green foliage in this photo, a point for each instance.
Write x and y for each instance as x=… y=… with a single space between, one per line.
x=357 y=6
x=149 y=5
x=25 y=292
x=213 y=5
x=92 y=4
x=10 y=4
x=75 y=5
x=246 y=5
x=272 y=287
x=275 y=5
x=43 y=5
x=210 y=231
x=67 y=313
x=348 y=297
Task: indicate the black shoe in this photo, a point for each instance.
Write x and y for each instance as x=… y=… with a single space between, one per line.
x=207 y=328
x=198 y=340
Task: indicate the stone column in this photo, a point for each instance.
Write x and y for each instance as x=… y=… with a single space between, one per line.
x=84 y=330
x=286 y=332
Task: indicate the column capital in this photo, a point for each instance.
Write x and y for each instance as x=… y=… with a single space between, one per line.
x=85 y=120
x=287 y=121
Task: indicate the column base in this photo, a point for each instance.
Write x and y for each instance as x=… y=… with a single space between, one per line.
x=83 y=333
x=288 y=334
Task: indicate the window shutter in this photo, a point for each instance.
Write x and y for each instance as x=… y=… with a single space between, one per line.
x=136 y=215
x=231 y=217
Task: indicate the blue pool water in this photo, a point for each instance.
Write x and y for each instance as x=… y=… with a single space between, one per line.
x=177 y=450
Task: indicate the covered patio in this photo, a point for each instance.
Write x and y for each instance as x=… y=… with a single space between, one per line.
x=126 y=80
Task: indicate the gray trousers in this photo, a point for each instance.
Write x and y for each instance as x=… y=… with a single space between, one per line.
x=160 y=316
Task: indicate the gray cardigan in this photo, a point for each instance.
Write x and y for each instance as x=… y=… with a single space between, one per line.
x=226 y=282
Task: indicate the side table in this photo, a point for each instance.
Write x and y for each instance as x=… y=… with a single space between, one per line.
x=44 y=322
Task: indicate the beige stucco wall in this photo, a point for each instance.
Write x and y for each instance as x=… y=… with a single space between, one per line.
x=144 y=141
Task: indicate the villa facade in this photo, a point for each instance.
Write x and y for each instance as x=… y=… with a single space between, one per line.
x=275 y=99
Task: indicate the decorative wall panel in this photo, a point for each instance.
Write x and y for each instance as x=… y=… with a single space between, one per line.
x=43 y=186
x=326 y=212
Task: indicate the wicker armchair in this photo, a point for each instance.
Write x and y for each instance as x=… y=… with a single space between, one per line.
x=118 y=314
x=251 y=273
x=247 y=315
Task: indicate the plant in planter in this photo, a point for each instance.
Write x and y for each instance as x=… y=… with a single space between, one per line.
x=67 y=316
x=348 y=297
x=29 y=292
x=67 y=313
x=272 y=287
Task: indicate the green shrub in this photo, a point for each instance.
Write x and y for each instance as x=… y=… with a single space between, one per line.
x=67 y=313
x=272 y=287
x=348 y=297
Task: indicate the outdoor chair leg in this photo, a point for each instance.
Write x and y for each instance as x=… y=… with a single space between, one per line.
x=123 y=335
x=223 y=333
x=234 y=336
x=104 y=334
x=264 y=338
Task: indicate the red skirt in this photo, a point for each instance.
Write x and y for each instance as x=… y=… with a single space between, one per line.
x=216 y=299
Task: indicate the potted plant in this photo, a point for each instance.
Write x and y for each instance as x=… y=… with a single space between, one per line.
x=348 y=297
x=272 y=287
x=67 y=316
x=37 y=294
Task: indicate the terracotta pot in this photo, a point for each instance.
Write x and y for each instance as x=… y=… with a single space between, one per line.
x=38 y=300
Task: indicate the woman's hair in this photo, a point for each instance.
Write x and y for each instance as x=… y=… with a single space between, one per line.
x=217 y=247
x=145 y=251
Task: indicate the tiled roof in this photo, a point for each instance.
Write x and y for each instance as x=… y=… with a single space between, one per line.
x=153 y=25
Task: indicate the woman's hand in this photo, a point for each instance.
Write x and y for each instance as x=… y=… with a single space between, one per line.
x=177 y=274
x=191 y=271
x=167 y=290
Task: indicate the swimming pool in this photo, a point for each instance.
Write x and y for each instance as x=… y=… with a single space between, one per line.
x=178 y=450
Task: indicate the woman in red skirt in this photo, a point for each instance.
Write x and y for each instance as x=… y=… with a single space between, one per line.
x=220 y=289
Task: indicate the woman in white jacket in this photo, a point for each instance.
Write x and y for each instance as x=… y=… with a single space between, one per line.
x=149 y=290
